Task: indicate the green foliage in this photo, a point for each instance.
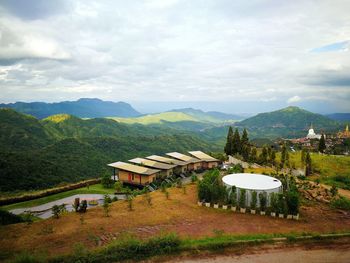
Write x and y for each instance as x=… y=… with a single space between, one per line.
x=26 y=257
x=106 y=204
x=341 y=203
x=242 y=198
x=194 y=178
x=254 y=200
x=322 y=144
x=56 y=211
x=130 y=199
x=233 y=196
x=64 y=149
x=228 y=146
x=118 y=186
x=308 y=163
x=263 y=201
x=107 y=181
x=7 y=218
x=236 y=143
x=334 y=190
x=211 y=188
x=237 y=168
x=274 y=202
x=293 y=202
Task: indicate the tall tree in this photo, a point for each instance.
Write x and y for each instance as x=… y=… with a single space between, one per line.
x=322 y=144
x=236 y=142
x=273 y=157
x=308 y=162
x=245 y=139
x=284 y=156
x=252 y=156
x=263 y=156
x=303 y=156
x=228 y=146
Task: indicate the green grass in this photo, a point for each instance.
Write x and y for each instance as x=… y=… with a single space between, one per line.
x=93 y=189
x=157 y=118
x=332 y=169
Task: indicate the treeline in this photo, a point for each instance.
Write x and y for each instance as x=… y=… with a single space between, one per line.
x=237 y=144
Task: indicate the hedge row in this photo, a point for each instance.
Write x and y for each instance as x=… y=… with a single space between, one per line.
x=27 y=197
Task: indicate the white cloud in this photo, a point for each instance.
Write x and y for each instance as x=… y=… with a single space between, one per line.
x=293 y=99
x=178 y=50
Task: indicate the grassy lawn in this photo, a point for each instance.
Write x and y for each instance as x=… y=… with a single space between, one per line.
x=93 y=189
x=329 y=169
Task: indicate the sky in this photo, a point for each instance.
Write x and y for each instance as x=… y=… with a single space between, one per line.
x=231 y=56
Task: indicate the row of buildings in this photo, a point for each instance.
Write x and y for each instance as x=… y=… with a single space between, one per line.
x=144 y=171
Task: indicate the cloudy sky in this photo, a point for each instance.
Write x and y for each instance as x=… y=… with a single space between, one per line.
x=234 y=56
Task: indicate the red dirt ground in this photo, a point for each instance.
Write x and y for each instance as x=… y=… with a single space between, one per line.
x=179 y=214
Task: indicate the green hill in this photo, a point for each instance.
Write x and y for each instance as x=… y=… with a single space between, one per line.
x=36 y=154
x=290 y=117
x=157 y=118
x=210 y=116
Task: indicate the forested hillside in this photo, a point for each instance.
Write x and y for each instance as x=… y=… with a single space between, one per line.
x=62 y=148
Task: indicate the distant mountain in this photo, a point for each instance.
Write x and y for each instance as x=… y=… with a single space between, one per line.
x=290 y=117
x=287 y=122
x=339 y=116
x=210 y=116
x=83 y=108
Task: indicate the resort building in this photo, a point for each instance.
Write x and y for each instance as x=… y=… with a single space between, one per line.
x=133 y=174
x=208 y=162
x=181 y=166
x=194 y=164
x=166 y=170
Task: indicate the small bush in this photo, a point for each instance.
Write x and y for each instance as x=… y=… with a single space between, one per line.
x=7 y=218
x=341 y=203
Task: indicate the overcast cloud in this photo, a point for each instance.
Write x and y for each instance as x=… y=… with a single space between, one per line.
x=224 y=52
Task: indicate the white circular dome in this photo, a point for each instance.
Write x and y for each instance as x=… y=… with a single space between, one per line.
x=252 y=181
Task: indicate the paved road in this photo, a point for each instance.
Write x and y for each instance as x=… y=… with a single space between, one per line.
x=333 y=255
x=67 y=200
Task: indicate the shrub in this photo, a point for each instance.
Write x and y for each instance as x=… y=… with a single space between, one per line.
x=334 y=190
x=7 y=218
x=242 y=198
x=211 y=189
x=106 y=203
x=341 y=203
x=273 y=202
x=83 y=206
x=292 y=199
x=118 y=186
x=281 y=204
x=178 y=182
x=194 y=178
x=130 y=202
x=148 y=198
x=107 y=181
x=233 y=196
x=56 y=211
x=254 y=200
x=262 y=201
x=166 y=194
x=163 y=186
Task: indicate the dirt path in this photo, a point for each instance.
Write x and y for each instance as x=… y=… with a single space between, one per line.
x=342 y=192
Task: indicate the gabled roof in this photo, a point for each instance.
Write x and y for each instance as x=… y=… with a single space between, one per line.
x=133 y=168
x=183 y=157
x=166 y=160
x=203 y=156
x=153 y=164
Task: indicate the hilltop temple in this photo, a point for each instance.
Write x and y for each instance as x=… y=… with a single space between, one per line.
x=312 y=134
x=344 y=134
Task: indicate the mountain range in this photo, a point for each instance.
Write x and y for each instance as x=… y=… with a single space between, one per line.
x=83 y=108
x=39 y=152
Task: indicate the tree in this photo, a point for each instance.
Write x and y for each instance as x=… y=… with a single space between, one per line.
x=242 y=198
x=263 y=156
x=106 y=203
x=254 y=200
x=233 y=196
x=253 y=155
x=262 y=201
x=107 y=181
x=236 y=143
x=322 y=144
x=303 y=156
x=228 y=146
x=245 y=139
x=284 y=155
x=273 y=202
x=56 y=211
x=273 y=157
x=308 y=163
x=293 y=203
